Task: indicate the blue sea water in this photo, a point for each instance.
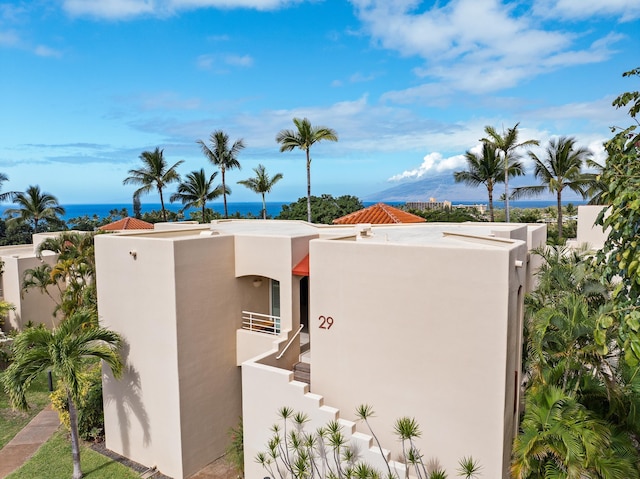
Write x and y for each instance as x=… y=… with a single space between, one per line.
x=255 y=208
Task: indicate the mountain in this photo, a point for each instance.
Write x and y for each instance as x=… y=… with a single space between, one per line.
x=439 y=186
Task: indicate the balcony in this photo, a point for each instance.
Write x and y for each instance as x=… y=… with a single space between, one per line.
x=261 y=323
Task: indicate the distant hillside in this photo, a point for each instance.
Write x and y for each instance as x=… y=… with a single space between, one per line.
x=440 y=186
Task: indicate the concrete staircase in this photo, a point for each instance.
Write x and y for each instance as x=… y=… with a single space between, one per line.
x=302 y=372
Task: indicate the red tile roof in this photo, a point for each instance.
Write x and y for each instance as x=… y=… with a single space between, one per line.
x=378 y=214
x=127 y=224
x=302 y=268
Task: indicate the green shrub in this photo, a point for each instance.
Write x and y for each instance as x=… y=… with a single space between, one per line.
x=90 y=408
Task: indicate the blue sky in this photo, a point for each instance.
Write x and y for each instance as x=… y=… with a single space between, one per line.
x=86 y=86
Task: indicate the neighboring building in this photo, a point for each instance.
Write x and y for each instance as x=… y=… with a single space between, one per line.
x=588 y=233
x=30 y=306
x=432 y=204
x=127 y=224
x=421 y=320
x=379 y=214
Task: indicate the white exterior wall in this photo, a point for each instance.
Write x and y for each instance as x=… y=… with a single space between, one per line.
x=177 y=305
x=421 y=332
x=136 y=298
x=588 y=232
x=31 y=305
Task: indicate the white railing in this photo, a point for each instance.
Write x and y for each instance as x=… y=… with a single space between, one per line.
x=290 y=341
x=262 y=323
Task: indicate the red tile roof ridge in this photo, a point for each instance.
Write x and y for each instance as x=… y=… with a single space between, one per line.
x=379 y=213
x=127 y=223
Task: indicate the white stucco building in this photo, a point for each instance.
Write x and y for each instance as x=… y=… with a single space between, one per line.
x=416 y=320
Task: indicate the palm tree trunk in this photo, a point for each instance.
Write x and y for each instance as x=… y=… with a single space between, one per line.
x=75 y=441
x=224 y=194
x=490 y=191
x=560 y=215
x=204 y=204
x=264 y=207
x=308 y=186
x=164 y=212
x=506 y=187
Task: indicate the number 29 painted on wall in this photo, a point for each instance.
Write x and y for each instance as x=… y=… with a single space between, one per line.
x=325 y=322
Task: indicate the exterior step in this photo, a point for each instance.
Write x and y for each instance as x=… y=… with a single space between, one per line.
x=302 y=372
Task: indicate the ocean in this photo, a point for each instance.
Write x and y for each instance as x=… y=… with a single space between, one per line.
x=255 y=208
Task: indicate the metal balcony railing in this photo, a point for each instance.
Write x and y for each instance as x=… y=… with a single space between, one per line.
x=261 y=323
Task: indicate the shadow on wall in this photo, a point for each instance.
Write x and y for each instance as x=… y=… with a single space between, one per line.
x=127 y=399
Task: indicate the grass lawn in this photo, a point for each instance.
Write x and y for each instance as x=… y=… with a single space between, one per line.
x=53 y=461
x=13 y=421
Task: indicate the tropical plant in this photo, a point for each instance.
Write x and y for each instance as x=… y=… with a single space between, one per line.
x=196 y=190
x=35 y=206
x=7 y=195
x=261 y=184
x=507 y=144
x=621 y=252
x=303 y=137
x=294 y=453
x=72 y=277
x=235 y=450
x=154 y=174
x=487 y=169
x=561 y=439
x=561 y=168
x=224 y=156
x=64 y=350
x=324 y=209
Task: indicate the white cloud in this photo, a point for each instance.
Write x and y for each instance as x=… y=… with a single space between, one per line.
x=111 y=9
x=238 y=60
x=127 y=9
x=9 y=39
x=218 y=61
x=45 y=51
x=580 y=9
x=433 y=162
x=475 y=46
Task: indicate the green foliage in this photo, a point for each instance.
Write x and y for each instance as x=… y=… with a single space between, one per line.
x=235 y=449
x=90 y=407
x=324 y=209
x=294 y=453
x=449 y=215
x=53 y=461
x=156 y=216
x=581 y=415
x=37 y=209
x=621 y=252
x=195 y=191
x=262 y=184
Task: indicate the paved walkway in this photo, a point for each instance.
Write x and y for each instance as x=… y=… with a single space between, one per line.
x=27 y=441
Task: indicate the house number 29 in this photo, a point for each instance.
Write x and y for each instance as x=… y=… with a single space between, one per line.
x=325 y=322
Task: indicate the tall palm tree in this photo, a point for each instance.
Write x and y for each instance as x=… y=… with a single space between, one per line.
x=153 y=174
x=261 y=184
x=507 y=144
x=303 y=137
x=196 y=190
x=486 y=169
x=561 y=168
x=35 y=205
x=223 y=156
x=63 y=350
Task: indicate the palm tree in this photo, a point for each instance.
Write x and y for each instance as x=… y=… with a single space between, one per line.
x=8 y=195
x=507 y=144
x=223 y=156
x=262 y=184
x=153 y=174
x=196 y=190
x=560 y=169
x=486 y=169
x=64 y=351
x=304 y=137
x=35 y=205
